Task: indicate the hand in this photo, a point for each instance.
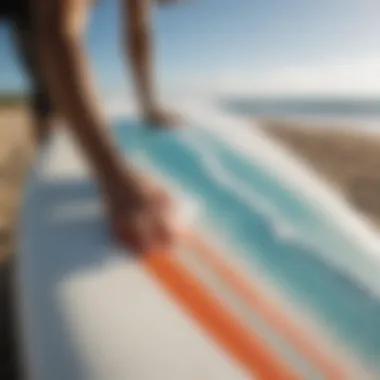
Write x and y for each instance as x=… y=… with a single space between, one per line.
x=140 y=216
x=158 y=119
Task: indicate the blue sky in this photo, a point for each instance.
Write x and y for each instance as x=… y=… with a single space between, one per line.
x=273 y=46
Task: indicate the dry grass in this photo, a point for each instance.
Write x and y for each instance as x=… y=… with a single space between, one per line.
x=349 y=159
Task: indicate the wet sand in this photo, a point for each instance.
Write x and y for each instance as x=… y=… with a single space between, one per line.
x=348 y=158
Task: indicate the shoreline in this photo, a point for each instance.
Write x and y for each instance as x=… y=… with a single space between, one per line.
x=323 y=123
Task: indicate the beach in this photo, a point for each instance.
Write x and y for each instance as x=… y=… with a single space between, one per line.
x=15 y=154
x=347 y=158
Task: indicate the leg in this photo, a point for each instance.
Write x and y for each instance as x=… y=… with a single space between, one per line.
x=42 y=107
x=138 y=35
x=137 y=16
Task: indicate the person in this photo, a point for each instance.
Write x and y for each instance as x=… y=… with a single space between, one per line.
x=49 y=40
x=49 y=36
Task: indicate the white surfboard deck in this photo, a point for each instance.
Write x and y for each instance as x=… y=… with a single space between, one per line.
x=90 y=311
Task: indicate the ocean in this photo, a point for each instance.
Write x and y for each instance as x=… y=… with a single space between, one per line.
x=358 y=111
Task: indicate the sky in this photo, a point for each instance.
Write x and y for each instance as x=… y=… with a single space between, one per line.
x=258 y=47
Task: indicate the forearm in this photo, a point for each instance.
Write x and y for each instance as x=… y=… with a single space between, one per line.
x=138 y=39
x=70 y=83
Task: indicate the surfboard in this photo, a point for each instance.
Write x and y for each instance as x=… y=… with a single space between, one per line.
x=89 y=309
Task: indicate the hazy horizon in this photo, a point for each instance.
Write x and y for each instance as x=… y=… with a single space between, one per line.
x=219 y=47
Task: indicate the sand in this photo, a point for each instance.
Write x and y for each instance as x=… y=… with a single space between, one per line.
x=349 y=159
x=15 y=154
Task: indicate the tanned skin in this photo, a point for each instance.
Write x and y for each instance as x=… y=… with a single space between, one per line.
x=139 y=212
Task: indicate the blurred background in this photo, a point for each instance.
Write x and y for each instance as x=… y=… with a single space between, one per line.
x=306 y=72
x=293 y=66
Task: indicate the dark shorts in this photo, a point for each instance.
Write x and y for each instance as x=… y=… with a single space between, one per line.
x=17 y=14
x=9 y=365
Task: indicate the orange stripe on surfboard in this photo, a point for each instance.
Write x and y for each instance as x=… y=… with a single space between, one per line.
x=219 y=322
x=263 y=307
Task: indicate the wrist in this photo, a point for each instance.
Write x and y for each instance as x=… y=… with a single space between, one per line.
x=121 y=187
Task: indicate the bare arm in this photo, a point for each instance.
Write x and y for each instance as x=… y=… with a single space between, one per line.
x=139 y=214
x=137 y=23
x=59 y=25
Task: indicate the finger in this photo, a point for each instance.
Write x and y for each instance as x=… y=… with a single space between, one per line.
x=143 y=234
x=133 y=234
x=162 y=200
x=127 y=237
x=164 y=232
